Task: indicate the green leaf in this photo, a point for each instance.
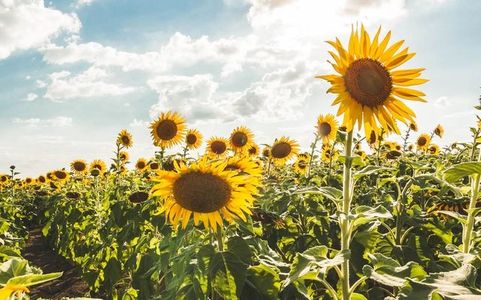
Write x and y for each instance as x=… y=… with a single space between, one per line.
x=265 y=280
x=461 y=170
x=228 y=274
x=364 y=214
x=33 y=279
x=368 y=170
x=329 y=192
x=112 y=272
x=461 y=218
x=239 y=247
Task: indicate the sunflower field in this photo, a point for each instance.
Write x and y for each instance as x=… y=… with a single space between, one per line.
x=355 y=216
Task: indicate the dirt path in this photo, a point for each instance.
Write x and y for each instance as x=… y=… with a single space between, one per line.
x=40 y=255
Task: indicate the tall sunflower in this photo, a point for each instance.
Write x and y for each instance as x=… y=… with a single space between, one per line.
x=327 y=127
x=124 y=138
x=206 y=191
x=423 y=141
x=217 y=147
x=99 y=165
x=241 y=138
x=193 y=139
x=369 y=90
x=78 y=167
x=283 y=149
x=168 y=130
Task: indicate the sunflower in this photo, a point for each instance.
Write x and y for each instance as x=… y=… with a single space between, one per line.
x=124 y=156
x=78 y=166
x=168 y=130
x=423 y=141
x=243 y=165
x=393 y=145
x=124 y=138
x=329 y=154
x=4 y=178
x=206 y=191
x=217 y=147
x=141 y=164
x=410 y=147
x=266 y=152
x=17 y=290
x=41 y=179
x=301 y=166
x=61 y=175
x=434 y=149
x=253 y=150
x=153 y=165
x=369 y=90
x=98 y=165
x=327 y=127
x=283 y=149
x=28 y=181
x=439 y=130
x=193 y=139
x=304 y=156
x=413 y=126
x=241 y=138
x=393 y=154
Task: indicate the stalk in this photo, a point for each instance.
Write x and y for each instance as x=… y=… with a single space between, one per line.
x=468 y=230
x=344 y=221
x=313 y=148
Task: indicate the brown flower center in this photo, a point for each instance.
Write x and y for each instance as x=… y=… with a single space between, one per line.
x=368 y=82
x=239 y=139
x=60 y=174
x=140 y=165
x=281 y=150
x=218 y=147
x=253 y=150
x=201 y=192
x=191 y=139
x=422 y=141
x=79 y=166
x=154 y=166
x=41 y=179
x=324 y=129
x=125 y=140
x=166 y=129
x=138 y=197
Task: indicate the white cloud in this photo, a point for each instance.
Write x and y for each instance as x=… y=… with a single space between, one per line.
x=139 y=124
x=36 y=122
x=90 y=83
x=31 y=97
x=40 y=84
x=442 y=102
x=81 y=3
x=26 y=24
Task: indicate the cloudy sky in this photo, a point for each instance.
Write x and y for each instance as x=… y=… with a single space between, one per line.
x=73 y=73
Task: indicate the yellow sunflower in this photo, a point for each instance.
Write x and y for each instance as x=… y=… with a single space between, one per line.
x=423 y=141
x=327 y=128
x=241 y=138
x=17 y=290
x=369 y=90
x=124 y=156
x=141 y=164
x=301 y=166
x=243 y=165
x=217 y=147
x=253 y=150
x=413 y=126
x=193 y=139
x=61 y=175
x=283 y=149
x=78 y=167
x=329 y=154
x=266 y=152
x=439 y=130
x=168 y=130
x=153 y=165
x=28 y=181
x=98 y=165
x=41 y=179
x=304 y=156
x=124 y=138
x=206 y=191
x=434 y=149
x=410 y=147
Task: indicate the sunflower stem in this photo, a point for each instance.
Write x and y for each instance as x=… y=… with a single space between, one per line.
x=313 y=148
x=468 y=229
x=344 y=218
x=220 y=239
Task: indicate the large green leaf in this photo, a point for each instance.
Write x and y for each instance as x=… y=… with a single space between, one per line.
x=33 y=279
x=364 y=214
x=228 y=274
x=265 y=281
x=461 y=170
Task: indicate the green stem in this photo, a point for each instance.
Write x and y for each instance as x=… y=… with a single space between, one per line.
x=220 y=239
x=344 y=221
x=468 y=230
x=313 y=148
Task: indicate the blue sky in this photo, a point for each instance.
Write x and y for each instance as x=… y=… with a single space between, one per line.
x=73 y=73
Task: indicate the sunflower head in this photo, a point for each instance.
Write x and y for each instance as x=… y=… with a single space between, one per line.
x=241 y=138
x=193 y=139
x=41 y=179
x=141 y=164
x=423 y=141
x=284 y=149
x=413 y=126
x=168 y=130
x=439 y=130
x=329 y=153
x=327 y=128
x=217 y=147
x=434 y=149
x=301 y=166
x=206 y=191
x=124 y=156
x=253 y=150
x=266 y=152
x=98 y=165
x=369 y=89
x=61 y=175
x=124 y=138
x=243 y=165
x=410 y=147
x=78 y=167
x=304 y=156
x=393 y=154
x=154 y=165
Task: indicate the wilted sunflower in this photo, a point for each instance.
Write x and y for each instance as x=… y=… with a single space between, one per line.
x=253 y=150
x=141 y=164
x=283 y=149
x=193 y=139
x=327 y=128
x=439 y=130
x=78 y=166
x=206 y=191
x=301 y=166
x=217 y=147
x=367 y=86
x=241 y=138
x=61 y=175
x=124 y=138
x=434 y=149
x=168 y=130
x=423 y=141
x=98 y=165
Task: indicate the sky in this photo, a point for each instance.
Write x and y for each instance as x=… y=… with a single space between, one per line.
x=74 y=73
